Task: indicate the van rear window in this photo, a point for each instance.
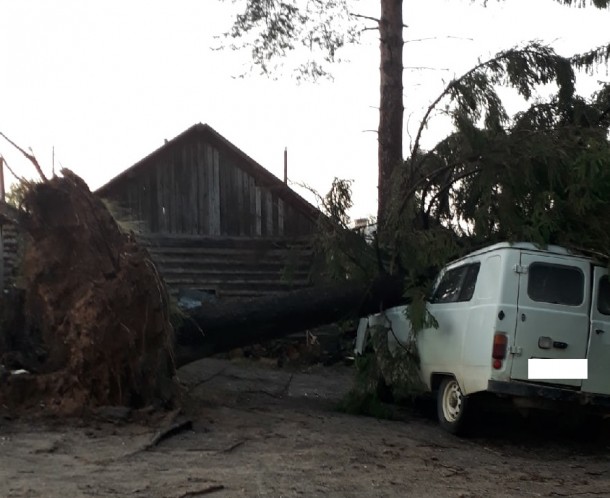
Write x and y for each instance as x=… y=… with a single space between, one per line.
x=457 y=284
x=556 y=284
x=603 y=299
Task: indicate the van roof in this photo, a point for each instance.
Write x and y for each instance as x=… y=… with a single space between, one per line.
x=529 y=246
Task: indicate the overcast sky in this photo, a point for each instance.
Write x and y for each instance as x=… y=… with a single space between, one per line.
x=106 y=82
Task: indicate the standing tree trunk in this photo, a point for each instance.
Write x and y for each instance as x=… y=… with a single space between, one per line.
x=391 y=108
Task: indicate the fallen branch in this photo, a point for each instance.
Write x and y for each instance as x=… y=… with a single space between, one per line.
x=557 y=493
x=207 y=379
x=233 y=446
x=168 y=432
x=30 y=157
x=278 y=395
x=12 y=171
x=204 y=491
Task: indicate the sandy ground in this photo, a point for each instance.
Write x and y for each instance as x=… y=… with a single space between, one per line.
x=262 y=431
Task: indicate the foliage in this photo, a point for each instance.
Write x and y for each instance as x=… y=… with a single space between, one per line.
x=600 y=4
x=122 y=217
x=383 y=373
x=341 y=253
x=540 y=176
x=364 y=398
x=271 y=29
x=358 y=402
x=274 y=29
x=17 y=193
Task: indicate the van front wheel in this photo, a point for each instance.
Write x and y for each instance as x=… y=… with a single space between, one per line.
x=452 y=407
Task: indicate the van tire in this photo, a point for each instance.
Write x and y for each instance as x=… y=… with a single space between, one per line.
x=453 y=408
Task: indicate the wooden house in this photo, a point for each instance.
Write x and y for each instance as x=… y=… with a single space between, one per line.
x=214 y=219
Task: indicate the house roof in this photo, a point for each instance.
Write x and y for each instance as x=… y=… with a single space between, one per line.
x=266 y=178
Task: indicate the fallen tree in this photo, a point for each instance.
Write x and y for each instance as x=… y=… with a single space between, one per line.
x=218 y=327
x=95 y=328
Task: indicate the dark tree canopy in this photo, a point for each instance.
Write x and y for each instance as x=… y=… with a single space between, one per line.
x=600 y=4
x=274 y=29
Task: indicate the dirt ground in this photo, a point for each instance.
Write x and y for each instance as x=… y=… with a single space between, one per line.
x=262 y=431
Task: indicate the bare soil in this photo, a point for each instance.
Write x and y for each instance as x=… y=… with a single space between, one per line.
x=262 y=431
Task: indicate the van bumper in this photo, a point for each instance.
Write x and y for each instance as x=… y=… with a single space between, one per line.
x=527 y=390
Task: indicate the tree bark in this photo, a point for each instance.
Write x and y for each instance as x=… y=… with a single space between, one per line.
x=215 y=328
x=391 y=108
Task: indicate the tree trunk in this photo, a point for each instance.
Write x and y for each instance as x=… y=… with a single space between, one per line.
x=391 y=105
x=215 y=328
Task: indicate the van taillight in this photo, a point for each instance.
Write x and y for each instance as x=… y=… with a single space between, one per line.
x=499 y=349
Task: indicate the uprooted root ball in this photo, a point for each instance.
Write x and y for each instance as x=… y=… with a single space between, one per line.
x=97 y=326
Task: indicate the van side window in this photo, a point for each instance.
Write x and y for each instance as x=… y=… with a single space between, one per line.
x=457 y=284
x=470 y=281
x=603 y=299
x=555 y=284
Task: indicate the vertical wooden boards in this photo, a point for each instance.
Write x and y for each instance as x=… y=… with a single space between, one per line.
x=153 y=201
x=171 y=200
x=193 y=182
x=241 y=214
x=200 y=184
x=280 y=217
x=209 y=176
x=259 y=211
x=145 y=202
x=289 y=224
x=252 y=196
x=212 y=160
x=230 y=216
x=161 y=199
x=203 y=225
x=224 y=184
x=268 y=213
x=264 y=212
x=246 y=215
x=181 y=192
x=274 y=214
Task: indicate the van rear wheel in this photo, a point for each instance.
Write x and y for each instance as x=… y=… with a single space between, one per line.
x=452 y=407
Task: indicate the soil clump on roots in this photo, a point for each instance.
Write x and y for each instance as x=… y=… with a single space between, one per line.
x=96 y=328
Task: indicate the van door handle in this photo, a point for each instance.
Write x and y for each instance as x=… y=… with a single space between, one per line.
x=599 y=331
x=560 y=345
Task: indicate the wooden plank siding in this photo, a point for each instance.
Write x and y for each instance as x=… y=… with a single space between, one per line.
x=230 y=266
x=198 y=189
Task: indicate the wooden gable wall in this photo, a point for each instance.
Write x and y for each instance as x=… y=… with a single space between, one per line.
x=200 y=186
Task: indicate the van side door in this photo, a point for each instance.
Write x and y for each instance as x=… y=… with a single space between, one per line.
x=598 y=353
x=552 y=312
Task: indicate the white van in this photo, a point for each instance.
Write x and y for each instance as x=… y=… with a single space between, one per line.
x=496 y=309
